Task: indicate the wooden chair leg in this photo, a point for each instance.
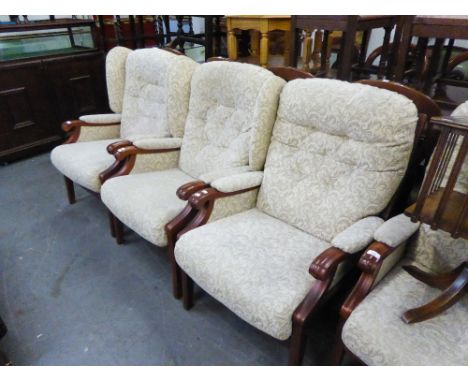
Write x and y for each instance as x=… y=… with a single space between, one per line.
x=112 y=223
x=4 y=361
x=336 y=357
x=297 y=344
x=441 y=303
x=70 y=190
x=187 y=291
x=118 y=229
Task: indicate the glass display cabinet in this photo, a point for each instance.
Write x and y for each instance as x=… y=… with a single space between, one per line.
x=50 y=71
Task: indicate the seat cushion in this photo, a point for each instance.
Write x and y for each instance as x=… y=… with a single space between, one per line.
x=339 y=151
x=254 y=264
x=146 y=202
x=82 y=162
x=376 y=333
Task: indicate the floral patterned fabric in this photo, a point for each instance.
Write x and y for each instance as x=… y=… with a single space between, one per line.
x=89 y=160
x=157 y=89
x=232 y=110
x=357 y=236
x=254 y=264
x=146 y=202
x=396 y=230
x=98 y=133
x=115 y=76
x=238 y=182
x=376 y=333
x=157 y=143
x=338 y=153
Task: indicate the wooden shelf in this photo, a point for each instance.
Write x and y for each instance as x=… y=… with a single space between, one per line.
x=450 y=215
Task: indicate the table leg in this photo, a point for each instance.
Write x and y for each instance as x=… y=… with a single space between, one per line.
x=287 y=46
x=307 y=47
x=445 y=300
x=264 y=49
x=232 y=45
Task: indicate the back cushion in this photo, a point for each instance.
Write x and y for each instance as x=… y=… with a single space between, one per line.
x=157 y=90
x=231 y=114
x=115 y=76
x=338 y=153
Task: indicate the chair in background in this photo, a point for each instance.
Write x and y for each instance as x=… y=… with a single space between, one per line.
x=148 y=93
x=349 y=25
x=372 y=328
x=337 y=161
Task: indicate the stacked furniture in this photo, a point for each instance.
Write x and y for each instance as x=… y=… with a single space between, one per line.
x=265 y=192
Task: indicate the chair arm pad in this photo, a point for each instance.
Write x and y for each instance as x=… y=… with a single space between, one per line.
x=238 y=182
x=101 y=119
x=357 y=236
x=210 y=177
x=396 y=230
x=157 y=143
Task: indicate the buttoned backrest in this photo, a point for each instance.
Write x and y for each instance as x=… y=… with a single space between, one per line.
x=115 y=76
x=437 y=250
x=338 y=153
x=231 y=114
x=157 y=90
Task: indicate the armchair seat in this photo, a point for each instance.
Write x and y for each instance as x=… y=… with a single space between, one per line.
x=254 y=264
x=146 y=202
x=82 y=162
x=377 y=335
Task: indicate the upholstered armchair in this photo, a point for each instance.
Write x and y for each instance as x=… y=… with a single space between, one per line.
x=372 y=328
x=337 y=158
x=148 y=93
x=227 y=132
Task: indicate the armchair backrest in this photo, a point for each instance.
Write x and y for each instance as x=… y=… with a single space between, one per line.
x=437 y=250
x=231 y=114
x=157 y=90
x=338 y=153
x=115 y=76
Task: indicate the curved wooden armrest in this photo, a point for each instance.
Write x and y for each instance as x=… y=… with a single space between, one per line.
x=73 y=127
x=186 y=190
x=370 y=264
x=200 y=198
x=117 y=145
x=374 y=256
x=125 y=157
x=325 y=264
x=126 y=151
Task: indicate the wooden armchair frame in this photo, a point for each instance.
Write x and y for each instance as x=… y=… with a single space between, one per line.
x=324 y=267
x=73 y=130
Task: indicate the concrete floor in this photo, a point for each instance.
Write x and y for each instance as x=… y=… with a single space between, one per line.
x=70 y=296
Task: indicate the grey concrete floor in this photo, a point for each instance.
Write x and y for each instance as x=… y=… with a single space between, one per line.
x=70 y=296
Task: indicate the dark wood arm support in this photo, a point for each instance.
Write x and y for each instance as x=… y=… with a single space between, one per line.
x=370 y=263
x=186 y=190
x=201 y=198
x=323 y=268
x=113 y=147
x=125 y=158
x=73 y=128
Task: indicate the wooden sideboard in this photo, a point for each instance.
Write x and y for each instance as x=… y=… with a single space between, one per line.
x=39 y=90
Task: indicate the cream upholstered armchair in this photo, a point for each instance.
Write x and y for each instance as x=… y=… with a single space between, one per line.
x=338 y=155
x=148 y=92
x=227 y=132
x=373 y=330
